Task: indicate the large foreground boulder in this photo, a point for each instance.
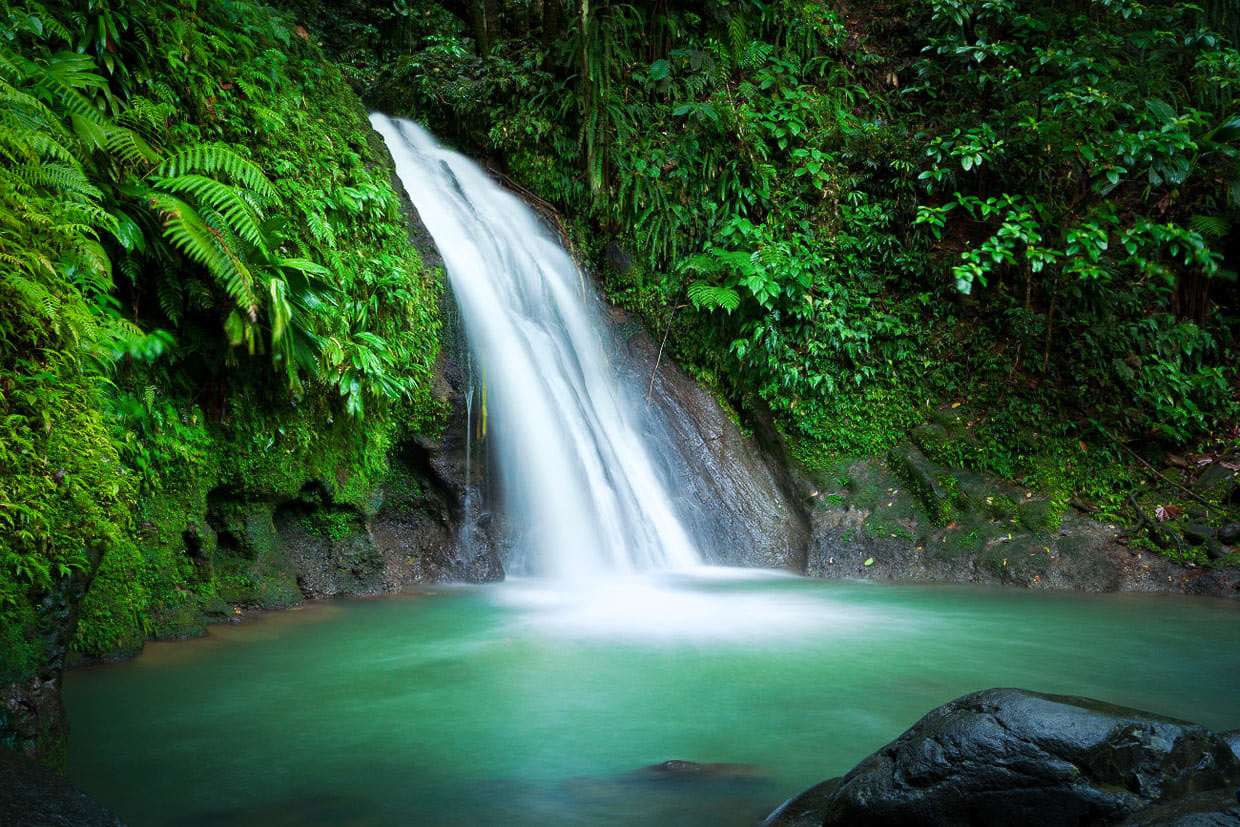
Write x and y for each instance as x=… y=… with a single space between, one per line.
x=1012 y=757
x=31 y=794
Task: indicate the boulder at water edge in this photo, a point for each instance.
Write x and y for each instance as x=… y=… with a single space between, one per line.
x=31 y=794
x=1012 y=757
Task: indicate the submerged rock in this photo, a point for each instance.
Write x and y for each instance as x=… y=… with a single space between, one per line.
x=1013 y=757
x=31 y=794
x=714 y=771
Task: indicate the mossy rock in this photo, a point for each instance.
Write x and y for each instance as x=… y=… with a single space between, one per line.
x=1040 y=515
x=1001 y=507
x=950 y=419
x=1216 y=483
x=867 y=483
x=934 y=486
x=935 y=441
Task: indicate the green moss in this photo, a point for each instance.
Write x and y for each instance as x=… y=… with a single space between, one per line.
x=334 y=525
x=885 y=523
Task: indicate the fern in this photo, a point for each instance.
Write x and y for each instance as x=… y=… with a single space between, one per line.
x=711 y=296
x=240 y=216
x=66 y=181
x=130 y=147
x=64 y=77
x=189 y=232
x=213 y=158
x=1210 y=226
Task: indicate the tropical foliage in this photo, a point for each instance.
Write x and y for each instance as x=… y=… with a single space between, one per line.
x=202 y=258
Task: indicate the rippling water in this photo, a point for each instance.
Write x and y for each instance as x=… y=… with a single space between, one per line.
x=523 y=703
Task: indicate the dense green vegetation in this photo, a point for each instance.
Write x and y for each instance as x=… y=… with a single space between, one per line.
x=855 y=213
x=207 y=301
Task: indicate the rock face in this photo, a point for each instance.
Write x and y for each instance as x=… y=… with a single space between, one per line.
x=916 y=520
x=32 y=716
x=31 y=794
x=431 y=527
x=736 y=492
x=1013 y=757
x=1232 y=738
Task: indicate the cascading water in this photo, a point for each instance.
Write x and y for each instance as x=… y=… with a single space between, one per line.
x=579 y=481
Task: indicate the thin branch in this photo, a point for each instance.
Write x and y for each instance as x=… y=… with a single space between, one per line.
x=1193 y=494
x=659 y=358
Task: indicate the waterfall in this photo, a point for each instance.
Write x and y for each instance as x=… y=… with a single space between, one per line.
x=577 y=468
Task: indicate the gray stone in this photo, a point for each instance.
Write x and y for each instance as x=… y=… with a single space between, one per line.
x=1013 y=757
x=735 y=492
x=1230 y=534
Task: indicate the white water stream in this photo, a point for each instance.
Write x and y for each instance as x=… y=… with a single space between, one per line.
x=580 y=484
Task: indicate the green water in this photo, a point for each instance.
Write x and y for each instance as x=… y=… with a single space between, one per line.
x=513 y=704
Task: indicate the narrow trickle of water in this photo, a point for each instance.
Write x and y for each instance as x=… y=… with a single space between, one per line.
x=579 y=478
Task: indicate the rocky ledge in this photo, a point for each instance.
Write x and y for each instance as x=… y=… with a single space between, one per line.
x=31 y=794
x=914 y=516
x=1012 y=757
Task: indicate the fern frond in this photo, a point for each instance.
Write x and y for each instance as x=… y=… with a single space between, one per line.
x=130 y=147
x=189 y=233
x=66 y=181
x=64 y=76
x=213 y=158
x=96 y=273
x=171 y=298
x=241 y=218
x=1210 y=226
x=31 y=296
x=711 y=296
x=320 y=229
x=148 y=118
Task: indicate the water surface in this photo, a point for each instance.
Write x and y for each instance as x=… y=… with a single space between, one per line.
x=523 y=704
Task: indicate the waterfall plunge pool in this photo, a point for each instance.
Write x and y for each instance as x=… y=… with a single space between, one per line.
x=519 y=703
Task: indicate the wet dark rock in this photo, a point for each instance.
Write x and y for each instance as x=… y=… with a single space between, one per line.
x=806 y=809
x=432 y=527
x=1216 y=483
x=1217 y=808
x=1196 y=534
x=736 y=492
x=1232 y=739
x=1230 y=534
x=676 y=769
x=1215 y=550
x=915 y=520
x=32 y=716
x=1013 y=757
x=31 y=794
x=617 y=258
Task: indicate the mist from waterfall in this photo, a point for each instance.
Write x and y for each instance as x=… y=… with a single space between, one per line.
x=580 y=483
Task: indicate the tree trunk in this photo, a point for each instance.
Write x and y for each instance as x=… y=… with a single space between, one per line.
x=552 y=21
